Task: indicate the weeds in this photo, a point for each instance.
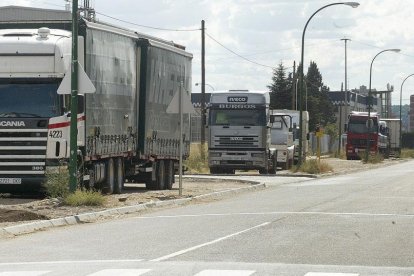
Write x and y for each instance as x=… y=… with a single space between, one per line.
x=197 y=162
x=57 y=186
x=85 y=198
x=57 y=183
x=313 y=166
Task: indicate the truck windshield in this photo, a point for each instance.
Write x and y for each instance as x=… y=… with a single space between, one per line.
x=29 y=100
x=238 y=117
x=360 y=127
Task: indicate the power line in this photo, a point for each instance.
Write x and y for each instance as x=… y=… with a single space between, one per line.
x=381 y=48
x=240 y=56
x=145 y=26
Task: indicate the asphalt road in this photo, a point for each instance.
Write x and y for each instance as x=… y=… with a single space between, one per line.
x=355 y=224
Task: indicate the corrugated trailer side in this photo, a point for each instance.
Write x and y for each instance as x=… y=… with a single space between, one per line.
x=162 y=70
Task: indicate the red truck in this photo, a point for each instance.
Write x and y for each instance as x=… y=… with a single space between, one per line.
x=358 y=134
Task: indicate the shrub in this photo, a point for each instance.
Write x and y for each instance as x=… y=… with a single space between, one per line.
x=85 y=198
x=313 y=166
x=196 y=162
x=57 y=183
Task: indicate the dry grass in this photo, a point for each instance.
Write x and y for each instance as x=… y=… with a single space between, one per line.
x=407 y=153
x=196 y=162
x=313 y=166
x=372 y=158
x=85 y=198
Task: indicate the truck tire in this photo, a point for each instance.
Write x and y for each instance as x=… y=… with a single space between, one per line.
x=119 y=176
x=263 y=171
x=169 y=174
x=150 y=179
x=214 y=170
x=156 y=179
x=110 y=177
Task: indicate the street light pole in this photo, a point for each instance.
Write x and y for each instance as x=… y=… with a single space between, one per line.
x=197 y=84
x=401 y=109
x=351 y=4
x=346 y=100
x=369 y=125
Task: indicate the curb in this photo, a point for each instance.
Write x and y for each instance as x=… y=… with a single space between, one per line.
x=20 y=229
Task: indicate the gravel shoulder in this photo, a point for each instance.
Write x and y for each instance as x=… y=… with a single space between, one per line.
x=17 y=210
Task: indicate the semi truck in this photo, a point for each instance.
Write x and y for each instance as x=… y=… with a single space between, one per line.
x=360 y=129
x=239 y=132
x=282 y=139
x=124 y=132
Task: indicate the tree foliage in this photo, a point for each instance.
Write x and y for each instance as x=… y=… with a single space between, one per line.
x=280 y=89
x=315 y=95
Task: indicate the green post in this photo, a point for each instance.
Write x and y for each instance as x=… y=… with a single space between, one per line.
x=74 y=101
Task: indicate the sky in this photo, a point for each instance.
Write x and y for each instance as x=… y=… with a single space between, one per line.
x=269 y=32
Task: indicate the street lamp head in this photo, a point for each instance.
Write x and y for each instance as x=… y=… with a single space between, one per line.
x=352 y=4
x=197 y=83
x=395 y=50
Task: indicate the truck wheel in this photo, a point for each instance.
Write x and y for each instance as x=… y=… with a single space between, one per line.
x=214 y=170
x=110 y=177
x=169 y=174
x=160 y=177
x=151 y=178
x=262 y=171
x=119 y=176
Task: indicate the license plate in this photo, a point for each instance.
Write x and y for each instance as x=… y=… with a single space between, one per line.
x=10 y=181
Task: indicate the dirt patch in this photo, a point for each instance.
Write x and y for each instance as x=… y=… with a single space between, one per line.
x=7 y=215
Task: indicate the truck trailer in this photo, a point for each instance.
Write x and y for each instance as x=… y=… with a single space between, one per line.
x=124 y=131
x=239 y=132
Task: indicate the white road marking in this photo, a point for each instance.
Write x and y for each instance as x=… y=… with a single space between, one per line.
x=214 y=272
x=284 y=213
x=329 y=274
x=169 y=256
x=23 y=273
x=69 y=262
x=120 y=272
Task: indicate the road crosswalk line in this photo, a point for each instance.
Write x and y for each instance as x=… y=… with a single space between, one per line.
x=330 y=274
x=216 y=272
x=120 y=272
x=23 y=273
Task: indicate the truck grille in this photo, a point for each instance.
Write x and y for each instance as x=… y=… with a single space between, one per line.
x=22 y=152
x=236 y=141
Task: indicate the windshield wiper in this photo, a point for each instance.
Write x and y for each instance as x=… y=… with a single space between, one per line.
x=18 y=115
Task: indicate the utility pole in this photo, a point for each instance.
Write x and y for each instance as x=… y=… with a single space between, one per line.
x=73 y=181
x=203 y=92
x=346 y=97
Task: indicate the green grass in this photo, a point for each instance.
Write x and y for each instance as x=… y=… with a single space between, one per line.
x=85 y=198
x=313 y=166
x=196 y=163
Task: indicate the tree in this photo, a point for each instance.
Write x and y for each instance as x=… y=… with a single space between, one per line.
x=321 y=109
x=280 y=89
